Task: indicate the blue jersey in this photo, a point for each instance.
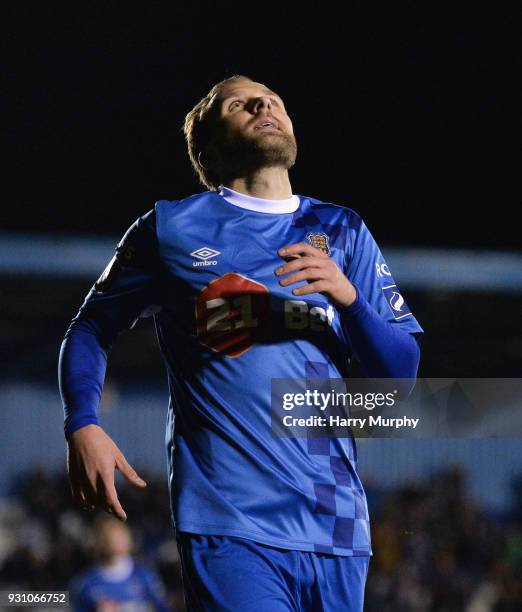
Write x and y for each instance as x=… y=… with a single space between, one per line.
x=205 y=269
x=139 y=591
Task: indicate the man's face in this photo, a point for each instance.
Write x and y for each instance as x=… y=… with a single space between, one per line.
x=112 y=540
x=253 y=129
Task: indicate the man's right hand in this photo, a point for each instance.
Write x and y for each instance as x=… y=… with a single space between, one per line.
x=92 y=457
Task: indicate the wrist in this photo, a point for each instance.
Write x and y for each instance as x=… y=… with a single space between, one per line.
x=73 y=425
x=350 y=302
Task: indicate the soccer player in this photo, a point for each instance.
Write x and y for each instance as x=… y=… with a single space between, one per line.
x=116 y=582
x=247 y=282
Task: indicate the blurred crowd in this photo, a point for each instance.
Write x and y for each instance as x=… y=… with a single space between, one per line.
x=46 y=540
x=434 y=549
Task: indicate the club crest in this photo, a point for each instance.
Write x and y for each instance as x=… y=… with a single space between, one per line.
x=319 y=241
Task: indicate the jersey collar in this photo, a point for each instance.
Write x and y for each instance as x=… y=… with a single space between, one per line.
x=259 y=204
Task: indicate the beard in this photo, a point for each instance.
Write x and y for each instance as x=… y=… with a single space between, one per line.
x=242 y=154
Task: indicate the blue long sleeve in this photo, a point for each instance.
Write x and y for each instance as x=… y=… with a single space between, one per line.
x=129 y=287
x=81 y=372
x=384 y=350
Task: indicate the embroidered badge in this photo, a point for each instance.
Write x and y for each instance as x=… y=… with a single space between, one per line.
x=319 y=241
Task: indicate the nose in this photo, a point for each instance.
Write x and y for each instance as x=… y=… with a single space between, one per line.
x=261 y=103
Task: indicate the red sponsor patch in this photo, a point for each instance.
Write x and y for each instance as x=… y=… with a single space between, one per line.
x=233 y=314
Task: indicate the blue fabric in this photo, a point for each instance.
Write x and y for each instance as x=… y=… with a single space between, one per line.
x=385 y=350
x=226 y=328
x=222 y=573
x=141 y=590
x=130 y=283
x=81 y=372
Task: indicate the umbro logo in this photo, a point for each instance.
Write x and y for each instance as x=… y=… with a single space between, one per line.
x=204 y=254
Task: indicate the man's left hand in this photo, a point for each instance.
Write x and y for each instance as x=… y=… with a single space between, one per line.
x=322 y=273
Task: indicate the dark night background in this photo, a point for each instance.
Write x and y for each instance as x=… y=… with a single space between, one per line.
x=403 y=113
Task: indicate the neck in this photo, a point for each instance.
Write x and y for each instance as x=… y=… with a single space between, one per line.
x=117 y=568
x=116 y=561
x=267 y=183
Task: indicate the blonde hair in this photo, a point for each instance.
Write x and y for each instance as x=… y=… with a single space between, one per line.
x=198 y=130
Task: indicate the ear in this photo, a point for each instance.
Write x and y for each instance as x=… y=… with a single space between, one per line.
x=208 y=157
x=202 y=160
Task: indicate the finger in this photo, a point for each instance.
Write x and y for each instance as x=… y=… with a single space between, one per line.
x=88 y=502
x=112 y=504
x=81 y=486
x=80 y=499
x=295 y=249
x=78 y=494
x=114 y=507
x=315 y=287
x=300 y=248
x=92 y=500
x=129 y=472
x=300 y=264
x=94 y=491
x=88 y=507
x=308 y=274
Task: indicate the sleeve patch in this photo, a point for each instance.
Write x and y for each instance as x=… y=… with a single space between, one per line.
x=396 y=302
x=125 y=254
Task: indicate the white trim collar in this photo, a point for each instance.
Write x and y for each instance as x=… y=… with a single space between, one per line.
x=118 y=572
x=259 y=204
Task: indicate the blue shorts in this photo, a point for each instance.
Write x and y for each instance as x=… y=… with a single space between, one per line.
x=239 y=575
